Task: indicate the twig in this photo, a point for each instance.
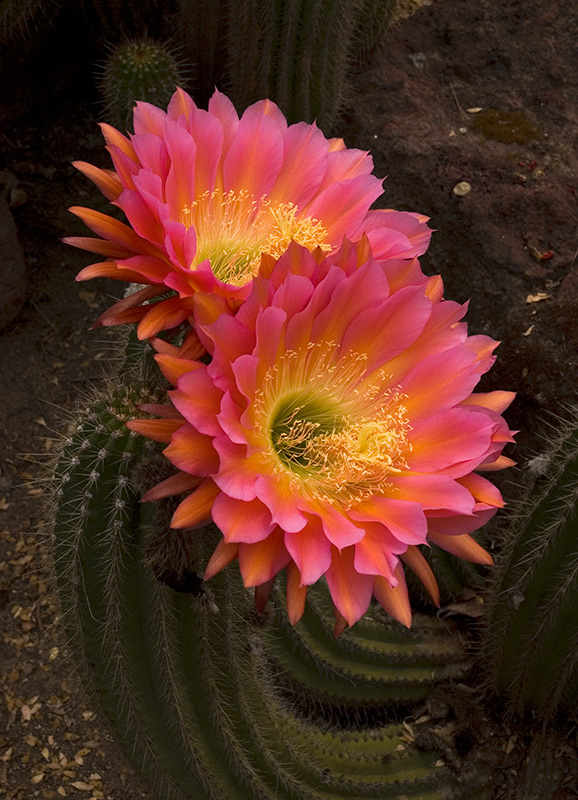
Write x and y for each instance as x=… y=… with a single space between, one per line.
x=463 y=114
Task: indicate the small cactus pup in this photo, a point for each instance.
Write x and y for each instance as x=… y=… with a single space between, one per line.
x=530 y=646
x=138 y=69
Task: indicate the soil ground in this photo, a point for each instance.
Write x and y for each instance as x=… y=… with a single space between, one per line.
x=472 y=92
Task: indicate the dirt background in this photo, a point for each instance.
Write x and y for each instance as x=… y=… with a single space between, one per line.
x=471 y=109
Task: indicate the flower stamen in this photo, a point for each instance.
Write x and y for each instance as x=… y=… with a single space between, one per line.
x=234 y=229
x=336 y=433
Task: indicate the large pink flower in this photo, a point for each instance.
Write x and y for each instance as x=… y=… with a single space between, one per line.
x=206 y=193
x=335 y=430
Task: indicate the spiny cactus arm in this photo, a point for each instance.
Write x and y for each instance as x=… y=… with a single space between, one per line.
x=371 y=664
x=530 y=640
x=379 y=639
x=94 y=553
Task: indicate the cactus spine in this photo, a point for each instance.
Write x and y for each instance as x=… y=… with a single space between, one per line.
x=531 y=640
x=195 y=690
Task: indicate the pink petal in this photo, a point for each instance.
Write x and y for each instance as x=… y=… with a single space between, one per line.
x=195 y=509
x=238 y=474
x=376 y=553
x=181 y=105
x=394 y=598
x=224 y=111
x=496 y=401
x=241 y=521
x=482 y=490
x=255 y=156
x=342 y=206
x=440 y=381
x=339 y=529
x=149 y=118
x=305 y=151
x=405 y=520
x=350 y=591
x=433 y=492
x=229 y=420
x=180 y=185
x=448 y=438
x=385 y=331
x=261 y=561
x=296 y=594
x=280 y=499
x=223 y=555
x=199 y=401
x=310 y=550
x=193 y=452
x=415 y=234
x=462 y=546
x=415 y=560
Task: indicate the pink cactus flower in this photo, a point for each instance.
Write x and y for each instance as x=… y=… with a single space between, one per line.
x=334 y=430
x=205 y=193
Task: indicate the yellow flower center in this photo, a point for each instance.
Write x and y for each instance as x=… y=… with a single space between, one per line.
x=235 y=229
x=337 y=433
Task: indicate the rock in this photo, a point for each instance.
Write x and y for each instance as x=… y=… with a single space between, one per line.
x=13 y=278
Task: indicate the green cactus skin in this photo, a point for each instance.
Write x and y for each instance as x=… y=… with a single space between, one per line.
x=138 y=69
x=201 y=24
x=376 y=663
x=191 y=685
x=298 y=53
x=530 y=645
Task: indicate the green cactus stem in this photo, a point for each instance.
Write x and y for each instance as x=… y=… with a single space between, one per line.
x=298 y=53
x=530 y=646
x=191 y=681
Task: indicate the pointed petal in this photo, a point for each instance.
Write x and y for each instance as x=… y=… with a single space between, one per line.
x=310 y=550
x=242 y=521
x=394 y=599
x=106 y=180
x=223 y=555
x=176 y=484
x=159 y=430
x=262 y=595
x=463 y=546
x=296 y=594
x=196 y=508
x=261 y=561
x=415 y=560
x=350 y=591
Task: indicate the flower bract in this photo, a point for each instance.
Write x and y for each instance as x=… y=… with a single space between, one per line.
x=335 y=429
x=206 y=193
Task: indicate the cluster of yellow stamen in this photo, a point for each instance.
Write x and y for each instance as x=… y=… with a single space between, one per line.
x=234 y=229
x=338 y=433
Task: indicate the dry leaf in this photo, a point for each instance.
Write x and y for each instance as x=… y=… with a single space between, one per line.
x=535 y=298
